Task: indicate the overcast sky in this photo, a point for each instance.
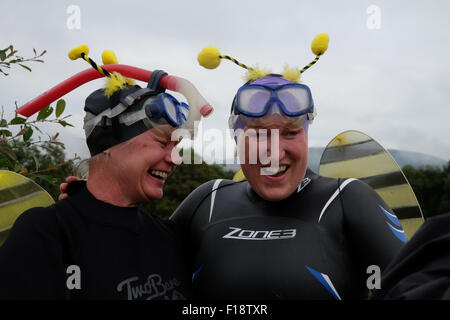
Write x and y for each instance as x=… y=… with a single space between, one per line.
x=385 y=72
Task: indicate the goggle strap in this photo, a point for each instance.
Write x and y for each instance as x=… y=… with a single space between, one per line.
x=132 y=117
x=154 y=81
x=127 y=120
x=147 y=123
x=131 y=98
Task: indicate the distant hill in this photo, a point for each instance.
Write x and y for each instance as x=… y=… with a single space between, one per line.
x=403 y=158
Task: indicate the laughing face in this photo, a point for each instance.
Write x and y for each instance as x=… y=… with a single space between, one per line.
x=276 y=176
x=143 y=164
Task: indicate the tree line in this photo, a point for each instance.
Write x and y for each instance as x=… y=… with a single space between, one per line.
x=432 y=188
x=430 y=184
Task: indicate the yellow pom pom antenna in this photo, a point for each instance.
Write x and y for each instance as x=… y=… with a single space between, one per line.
x=115 y=80
x=209 y=58
x=318 y=46
x=109 y=57
x=76 y=52
x=82 y=52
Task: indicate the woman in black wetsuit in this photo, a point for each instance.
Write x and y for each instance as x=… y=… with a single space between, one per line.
x=97 y=243
x=285 y=233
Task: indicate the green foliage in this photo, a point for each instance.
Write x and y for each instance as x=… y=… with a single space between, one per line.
x=41 y=160
x=9 y=57
x=44 y=113
x=432 y=188
x=44 y=163
x=60 y=106
x=183 y=181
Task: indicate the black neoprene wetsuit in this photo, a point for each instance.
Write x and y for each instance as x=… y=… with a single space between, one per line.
x=316 y=244
x=421 y=271
x=122 y=253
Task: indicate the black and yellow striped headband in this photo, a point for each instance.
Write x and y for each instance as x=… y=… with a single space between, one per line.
x=210 y=58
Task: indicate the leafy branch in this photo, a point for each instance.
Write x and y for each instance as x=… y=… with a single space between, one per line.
x=9 y=56
x=10 y=148
x=44 y=161
x=27 y=125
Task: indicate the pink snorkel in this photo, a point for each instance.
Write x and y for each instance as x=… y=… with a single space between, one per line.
x=198 y=105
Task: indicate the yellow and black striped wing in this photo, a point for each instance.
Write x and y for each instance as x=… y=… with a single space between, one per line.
x=18 y=194
x=353 y=154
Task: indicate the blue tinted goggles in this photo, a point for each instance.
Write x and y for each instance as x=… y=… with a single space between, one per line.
x=255 y=100
x=167 y=107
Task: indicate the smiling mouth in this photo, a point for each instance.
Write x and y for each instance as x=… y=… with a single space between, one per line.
x=162 y=175
x=275 y=172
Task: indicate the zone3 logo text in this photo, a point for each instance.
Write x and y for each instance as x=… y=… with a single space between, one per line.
x=238 y=233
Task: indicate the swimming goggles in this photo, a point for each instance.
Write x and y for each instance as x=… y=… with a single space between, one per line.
x=256 y=100
x=168 y=107
x=151 y=109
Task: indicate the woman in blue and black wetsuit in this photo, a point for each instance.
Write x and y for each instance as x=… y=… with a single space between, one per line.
x=285 y=232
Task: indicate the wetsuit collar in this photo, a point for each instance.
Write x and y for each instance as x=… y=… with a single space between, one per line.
x=102 y=212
